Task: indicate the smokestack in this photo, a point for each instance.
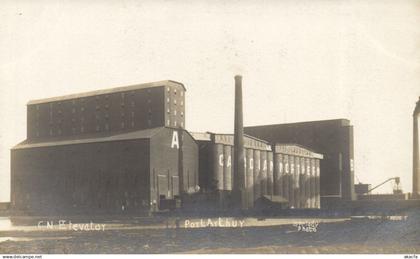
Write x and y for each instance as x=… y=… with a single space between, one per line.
x=416 y=157
x=238 y=189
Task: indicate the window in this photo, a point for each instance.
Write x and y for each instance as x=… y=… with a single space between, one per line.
x=106 y=126
x=167 y=100
x=97 y=128
x=168 y=123
x=168 y=89
x=175 y=123
x=122 y=125
x=182 y=103
x=149 y=122
x=175 y=112
x=182 y=124
x=182 y=114
x=174 y=91
x=182 y=93
x=169 y=111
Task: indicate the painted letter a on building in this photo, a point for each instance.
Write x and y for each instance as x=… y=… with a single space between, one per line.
x=175 y=140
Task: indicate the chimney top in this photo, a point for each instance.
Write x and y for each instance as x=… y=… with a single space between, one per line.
x=238 y=77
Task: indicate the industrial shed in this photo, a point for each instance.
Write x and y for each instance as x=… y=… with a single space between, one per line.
x=292 y=173
x=332 y=138
x=131 y=172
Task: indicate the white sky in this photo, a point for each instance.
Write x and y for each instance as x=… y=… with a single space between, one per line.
x=300 y=60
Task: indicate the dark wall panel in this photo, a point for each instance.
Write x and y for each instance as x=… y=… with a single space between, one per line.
x=95 y=177
x=332 y=138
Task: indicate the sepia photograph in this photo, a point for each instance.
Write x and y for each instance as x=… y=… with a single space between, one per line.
x=209 y=127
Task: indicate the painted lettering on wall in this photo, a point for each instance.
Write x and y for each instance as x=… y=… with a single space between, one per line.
x=250 y=163
x=265 y=165
x=221 y=160
x=175 y=140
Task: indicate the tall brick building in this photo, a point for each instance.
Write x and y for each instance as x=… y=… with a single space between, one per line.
x=109 y=151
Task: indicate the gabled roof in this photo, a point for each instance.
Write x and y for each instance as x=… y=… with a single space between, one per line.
x=140 y=134
x=107 y=91
x=227 y=139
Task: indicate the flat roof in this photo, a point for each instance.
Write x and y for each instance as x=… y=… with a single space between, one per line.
x=344 y=122
x=296 y=149
x=107 y=91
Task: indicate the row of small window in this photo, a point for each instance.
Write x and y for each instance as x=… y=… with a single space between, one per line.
x=106 y=116
x=106 y=127
x=168 y=100
x=175 y=124
x=82 y=109
x=169 y=89
x=175 y=112
x=81 y=100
